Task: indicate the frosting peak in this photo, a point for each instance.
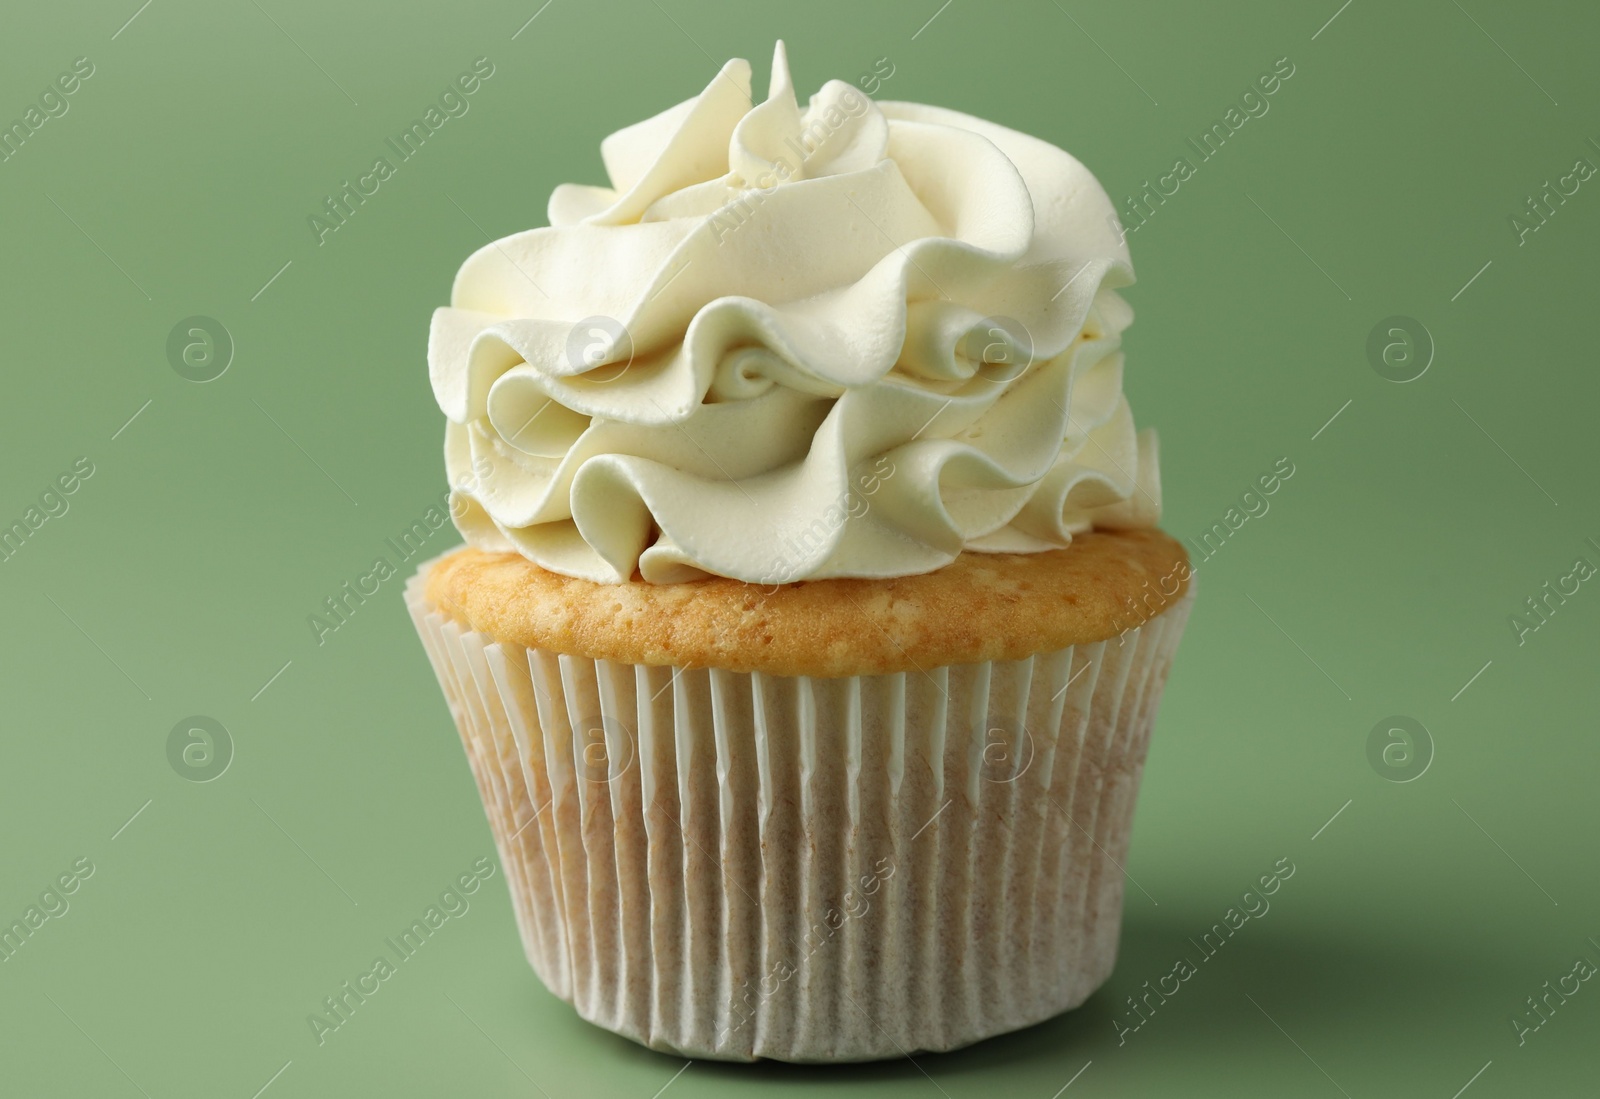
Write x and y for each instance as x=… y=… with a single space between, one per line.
x=784 y=344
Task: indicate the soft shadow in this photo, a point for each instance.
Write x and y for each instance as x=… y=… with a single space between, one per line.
x=1335 y=979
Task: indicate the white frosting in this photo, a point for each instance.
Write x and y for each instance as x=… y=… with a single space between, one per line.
x=853 y=340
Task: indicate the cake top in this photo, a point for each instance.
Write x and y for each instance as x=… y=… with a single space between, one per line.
x=850 y=340
x=983 y=607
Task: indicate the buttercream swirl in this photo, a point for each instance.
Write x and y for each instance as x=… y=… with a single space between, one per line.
x=786 y=344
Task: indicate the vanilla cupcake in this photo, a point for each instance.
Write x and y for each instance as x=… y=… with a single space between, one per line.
x=814 y=617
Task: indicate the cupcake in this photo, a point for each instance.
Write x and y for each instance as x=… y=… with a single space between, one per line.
x=813 y=615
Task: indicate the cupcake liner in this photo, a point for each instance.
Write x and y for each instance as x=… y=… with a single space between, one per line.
x=743 y=865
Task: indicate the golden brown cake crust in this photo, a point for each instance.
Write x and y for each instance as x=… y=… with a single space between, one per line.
x=980 y=607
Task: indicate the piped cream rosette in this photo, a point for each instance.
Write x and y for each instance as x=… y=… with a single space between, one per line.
x=702 y=368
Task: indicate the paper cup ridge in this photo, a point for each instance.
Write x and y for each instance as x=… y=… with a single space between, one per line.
x=743 y=865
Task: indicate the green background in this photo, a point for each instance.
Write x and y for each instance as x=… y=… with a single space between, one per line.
x=1383 y=177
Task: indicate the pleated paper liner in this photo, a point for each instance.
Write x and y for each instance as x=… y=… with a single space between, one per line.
x=743 y=865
